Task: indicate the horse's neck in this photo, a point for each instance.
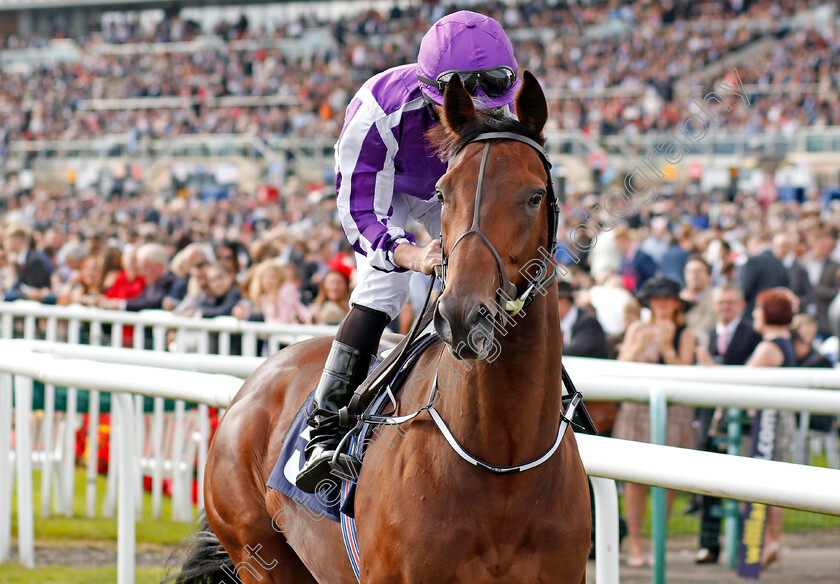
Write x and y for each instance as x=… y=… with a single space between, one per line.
x=507 y=411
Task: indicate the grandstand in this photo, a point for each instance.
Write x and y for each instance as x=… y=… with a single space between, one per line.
x=135 y=88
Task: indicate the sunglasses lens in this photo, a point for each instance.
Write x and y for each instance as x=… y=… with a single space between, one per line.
x=496 y=82
x=469 y=80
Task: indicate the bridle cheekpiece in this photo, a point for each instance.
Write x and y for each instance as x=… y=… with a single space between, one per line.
x=512 y=301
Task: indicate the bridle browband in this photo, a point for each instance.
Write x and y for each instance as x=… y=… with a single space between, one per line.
x=507 y=296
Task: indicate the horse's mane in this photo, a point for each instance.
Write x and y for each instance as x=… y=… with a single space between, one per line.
x=447 y=143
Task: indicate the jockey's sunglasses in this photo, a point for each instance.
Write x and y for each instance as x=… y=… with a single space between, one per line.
x=494 y=82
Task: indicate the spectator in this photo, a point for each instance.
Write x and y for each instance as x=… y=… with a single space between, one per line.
x=196 y=291
x=731 y=341
x=7 y=273
x=608 y=300
x=664 y=339
x=277 y=299
x=88 y=290
x=803 y=331
x=182 y=266
x=657 y=243
x=333 y=301
x=66 y=274
x=111 y=267
x=679 y=250
x=128 y=283
x=32 y=270
x=582 y=333
x=219 y=297
x=636 y=266
x=222 y=292
x=718 y=257
x=227 y=253
x=797 y=274
x=771 y=319
x=698 y=279
x=822 y=275
x=762 y=271
x=153 y=264
x=834 y=313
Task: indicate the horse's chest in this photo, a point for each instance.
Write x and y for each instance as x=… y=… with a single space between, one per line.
x=463 y=533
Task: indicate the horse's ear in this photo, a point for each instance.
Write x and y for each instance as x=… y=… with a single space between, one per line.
x=458 y=108
x=531 y=107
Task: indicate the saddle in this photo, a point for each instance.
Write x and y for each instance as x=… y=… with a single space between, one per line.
x=389 y=373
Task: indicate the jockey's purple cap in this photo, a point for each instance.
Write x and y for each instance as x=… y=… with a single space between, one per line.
x=466 y=41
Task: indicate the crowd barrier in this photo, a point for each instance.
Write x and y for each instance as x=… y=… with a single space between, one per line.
x=71 y=325
x=746 y=479
x=728 y=387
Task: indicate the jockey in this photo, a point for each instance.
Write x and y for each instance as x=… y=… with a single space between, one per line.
x=385 y=173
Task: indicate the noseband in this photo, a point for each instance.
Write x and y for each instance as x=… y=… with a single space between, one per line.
x=506 y=296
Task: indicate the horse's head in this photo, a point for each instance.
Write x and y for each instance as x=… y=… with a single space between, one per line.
x=498 y=212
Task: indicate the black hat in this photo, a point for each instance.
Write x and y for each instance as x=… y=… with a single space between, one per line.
x=661 y=287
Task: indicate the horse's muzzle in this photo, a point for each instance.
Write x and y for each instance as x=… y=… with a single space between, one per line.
x=468 y=332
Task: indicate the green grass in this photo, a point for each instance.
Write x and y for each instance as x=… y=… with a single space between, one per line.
x=14 y=574
x=55 y=528
x=679 y=524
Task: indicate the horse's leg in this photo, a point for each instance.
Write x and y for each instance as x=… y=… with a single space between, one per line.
x=266 y=558
x=235 y=495
x=237 y=512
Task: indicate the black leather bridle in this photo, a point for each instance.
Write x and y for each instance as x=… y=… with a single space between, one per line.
x=507 y=296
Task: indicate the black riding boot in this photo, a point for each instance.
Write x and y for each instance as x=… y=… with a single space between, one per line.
x=344 y=371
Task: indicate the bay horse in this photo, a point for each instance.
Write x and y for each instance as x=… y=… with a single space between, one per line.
x=423 y=514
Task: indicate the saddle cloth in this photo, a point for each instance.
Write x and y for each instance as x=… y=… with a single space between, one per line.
x=327 y=503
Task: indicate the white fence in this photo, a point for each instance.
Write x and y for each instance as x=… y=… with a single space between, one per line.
x=150 y=373
x=768 y=482
x=70 y=323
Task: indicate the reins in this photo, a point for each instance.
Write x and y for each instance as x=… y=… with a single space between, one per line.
x=512 y=304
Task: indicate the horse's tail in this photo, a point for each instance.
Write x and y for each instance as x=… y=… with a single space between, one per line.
x=202 y=558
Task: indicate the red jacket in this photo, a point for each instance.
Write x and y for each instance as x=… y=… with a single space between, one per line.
x=125 y=289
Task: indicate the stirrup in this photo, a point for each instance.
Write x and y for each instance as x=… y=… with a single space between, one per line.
x=327 y=465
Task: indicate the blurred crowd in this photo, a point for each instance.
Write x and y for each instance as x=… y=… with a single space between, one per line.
x=231 y=257
x=78 y=246
x=646 y=48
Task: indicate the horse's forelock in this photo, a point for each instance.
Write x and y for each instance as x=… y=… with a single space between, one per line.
x=447 y=143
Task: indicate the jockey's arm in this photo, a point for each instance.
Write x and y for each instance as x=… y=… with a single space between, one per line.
x=418 y=258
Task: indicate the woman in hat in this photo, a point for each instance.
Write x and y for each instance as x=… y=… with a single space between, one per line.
x=665 y=339
x=386 y=173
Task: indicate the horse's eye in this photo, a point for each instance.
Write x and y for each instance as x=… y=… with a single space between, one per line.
x=439 y=195
x=536 y=199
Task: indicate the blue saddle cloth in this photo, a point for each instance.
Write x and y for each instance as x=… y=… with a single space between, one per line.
x=326 y=503
x=290 y=462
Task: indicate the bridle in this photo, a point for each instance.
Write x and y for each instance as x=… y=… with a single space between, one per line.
x=506 y=296
x=512 y=305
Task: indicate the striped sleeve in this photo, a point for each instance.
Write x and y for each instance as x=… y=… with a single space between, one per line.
x=365 y=155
